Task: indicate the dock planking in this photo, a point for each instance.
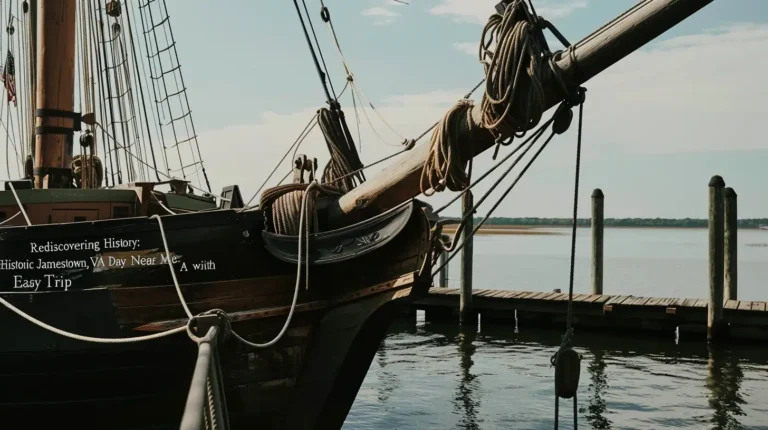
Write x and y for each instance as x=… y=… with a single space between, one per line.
x=609 y=311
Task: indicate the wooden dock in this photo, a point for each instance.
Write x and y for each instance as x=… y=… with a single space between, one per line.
x=746 y=320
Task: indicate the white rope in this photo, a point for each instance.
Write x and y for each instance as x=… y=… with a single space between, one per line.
x=21 y=208
x=303 y=228
x=164 y=207
x=170 y=265
x=41 y=324
x=11 y=218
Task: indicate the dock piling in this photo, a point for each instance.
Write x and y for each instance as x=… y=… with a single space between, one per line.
x=443 y=263
x=731 y=232
x=466 y=311
x=597 y=241
x=715 y=323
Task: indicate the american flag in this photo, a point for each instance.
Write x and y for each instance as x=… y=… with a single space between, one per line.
x=8 y=77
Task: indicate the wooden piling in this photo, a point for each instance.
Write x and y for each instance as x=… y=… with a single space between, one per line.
x=715 y=324
x=597 y=241
x=731 y=226
x=466 y=311
x=443 y=264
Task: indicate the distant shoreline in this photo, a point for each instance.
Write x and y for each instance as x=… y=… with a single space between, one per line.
x=546 y=229
x=502 y=223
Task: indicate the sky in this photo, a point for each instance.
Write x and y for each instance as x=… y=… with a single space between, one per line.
x=657 y=125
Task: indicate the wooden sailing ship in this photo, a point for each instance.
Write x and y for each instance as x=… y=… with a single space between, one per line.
x=91 y=262
x=82 y=251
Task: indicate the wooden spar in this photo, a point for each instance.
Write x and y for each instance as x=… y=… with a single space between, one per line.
x=32 y=65
x=55 y=91
x=593 y=54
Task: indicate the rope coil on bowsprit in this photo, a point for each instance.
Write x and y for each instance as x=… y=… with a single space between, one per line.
x=282 y=206
x=444 y=167
x=513 y=102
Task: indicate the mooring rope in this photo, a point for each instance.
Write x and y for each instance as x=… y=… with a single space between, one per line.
x=303 y=236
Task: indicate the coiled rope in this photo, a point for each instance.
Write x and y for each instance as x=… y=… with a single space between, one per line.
x=282 y=206
x=513 y=102
x=444 y=167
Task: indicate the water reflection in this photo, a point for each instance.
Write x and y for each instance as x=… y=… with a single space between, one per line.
x=724 y=377
x=598 y=386
x=465 y=401
x=440 y=376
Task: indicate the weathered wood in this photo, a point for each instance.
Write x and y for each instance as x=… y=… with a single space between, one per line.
x=593 y=54
x=716 y=259
x=467 y=315
x=651 y=314
x=731 y=233
x=55 y=90
x=444 y=271
x=597 y=241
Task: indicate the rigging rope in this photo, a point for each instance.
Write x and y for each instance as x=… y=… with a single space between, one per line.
x=304 y=133
x=344 y=158
x=564 y=383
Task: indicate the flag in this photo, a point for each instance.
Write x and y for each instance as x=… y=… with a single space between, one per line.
x=9 y=78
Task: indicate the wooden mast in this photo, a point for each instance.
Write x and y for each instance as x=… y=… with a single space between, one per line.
x=55 y=93
x=593 y=54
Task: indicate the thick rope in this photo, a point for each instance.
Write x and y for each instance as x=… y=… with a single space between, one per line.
x=74 y=336
x=303 y=230
x=10 y=219
x=170 y=266
x=282 y=205
x=444 y=167
x=513 y=102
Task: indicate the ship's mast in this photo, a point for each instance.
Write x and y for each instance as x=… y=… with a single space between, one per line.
x=55 y=121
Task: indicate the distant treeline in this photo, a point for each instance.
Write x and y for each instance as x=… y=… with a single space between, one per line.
x=620 y=222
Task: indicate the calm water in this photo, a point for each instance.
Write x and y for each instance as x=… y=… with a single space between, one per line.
x=438 y=376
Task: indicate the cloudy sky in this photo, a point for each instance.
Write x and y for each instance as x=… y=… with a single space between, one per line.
x=658 y=125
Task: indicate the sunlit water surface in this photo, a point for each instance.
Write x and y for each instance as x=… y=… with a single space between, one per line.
x=439 y=376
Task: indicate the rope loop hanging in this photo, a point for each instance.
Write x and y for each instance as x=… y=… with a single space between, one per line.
x=444 y=167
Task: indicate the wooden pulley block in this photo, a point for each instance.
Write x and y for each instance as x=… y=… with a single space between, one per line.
x=567 y=372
